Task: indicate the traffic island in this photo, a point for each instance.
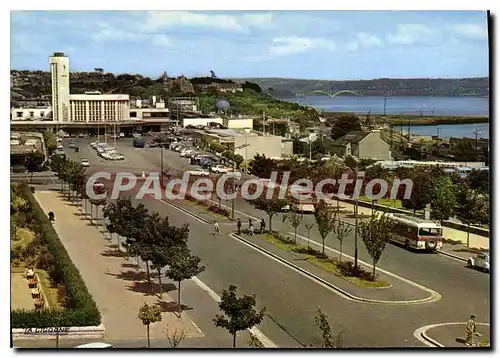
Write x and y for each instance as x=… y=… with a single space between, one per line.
x=453 y=335
x=390 y=289
x=359 y=277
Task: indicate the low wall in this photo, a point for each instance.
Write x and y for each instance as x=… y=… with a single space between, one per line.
x=93 y=332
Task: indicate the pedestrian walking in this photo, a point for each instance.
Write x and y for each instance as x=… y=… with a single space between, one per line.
x=262 y=226
x=251 y=229
x=238 y=225
x=52 y=217
x=216 y=228
x=471 y=330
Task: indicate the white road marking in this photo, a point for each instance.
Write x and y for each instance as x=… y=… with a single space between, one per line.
x=256 y=332
x=420 y=333
x=433 y=293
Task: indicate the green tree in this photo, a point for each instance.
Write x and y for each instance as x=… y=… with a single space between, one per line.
x=344 y=125
x=443 y=195
x=295 y=220
x=376 y=233
x=183 y=266
x=421 y=192
x=33 y=161
x=479 y=180
x=325 y=221
x=261 y=166
x=148 y=315
x=251 y=86
x=269 y=206
x=342 y=230
x=239 y=312
x=50 y=141
x=471 y=208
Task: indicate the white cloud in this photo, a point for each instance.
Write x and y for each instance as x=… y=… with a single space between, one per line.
x=473 y=31
x=110 y=33
x=409 y=34
x=291 y=45
x=157 y=20
x=352 y=46
x=368 y=40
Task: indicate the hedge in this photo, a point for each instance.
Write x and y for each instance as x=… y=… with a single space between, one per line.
x=83 y=310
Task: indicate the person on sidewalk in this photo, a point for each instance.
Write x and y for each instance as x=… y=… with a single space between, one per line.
x=251 y=229
x=52 y=217
x=262 y=226
x=238 y=225
x=471 y=330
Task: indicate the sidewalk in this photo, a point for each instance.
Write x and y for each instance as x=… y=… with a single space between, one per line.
x=454 y=335
x=118 y=289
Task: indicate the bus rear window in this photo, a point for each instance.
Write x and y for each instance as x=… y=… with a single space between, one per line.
x=429 y=232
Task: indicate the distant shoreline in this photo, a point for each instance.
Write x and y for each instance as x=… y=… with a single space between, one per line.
x=417 y=120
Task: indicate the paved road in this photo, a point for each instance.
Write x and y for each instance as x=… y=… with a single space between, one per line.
x=290 y=303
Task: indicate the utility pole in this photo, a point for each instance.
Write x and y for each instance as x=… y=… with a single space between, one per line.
x=385 y=105
x=161 y=160
x=114 y=134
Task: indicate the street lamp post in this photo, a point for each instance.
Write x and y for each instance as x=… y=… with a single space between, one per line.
x=356 y=222
x=233 y=186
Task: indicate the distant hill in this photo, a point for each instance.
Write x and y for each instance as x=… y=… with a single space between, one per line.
x=284 y=87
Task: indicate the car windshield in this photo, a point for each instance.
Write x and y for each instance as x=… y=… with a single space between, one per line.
x=424 y=231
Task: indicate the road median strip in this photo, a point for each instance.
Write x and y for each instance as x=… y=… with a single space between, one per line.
x=329 y=285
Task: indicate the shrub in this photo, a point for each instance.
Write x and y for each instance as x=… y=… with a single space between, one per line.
x=24 y=235
x=282 y=238
x=218 y=210
x=83 y=310
x=307 y=250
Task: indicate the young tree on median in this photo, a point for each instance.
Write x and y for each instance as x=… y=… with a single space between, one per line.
x=239 y=312
x=149 y=314
x=183 y=266
x=342 y=230
x=295 y=220
x=325 y=220
x=270 y=206
x=376 y=233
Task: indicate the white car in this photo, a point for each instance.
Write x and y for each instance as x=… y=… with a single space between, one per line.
x=85 y=163
x=95 y=345
x=186 y=152
x=94 y=144
x=198 y=172
x=480 y=261
x=221 y=169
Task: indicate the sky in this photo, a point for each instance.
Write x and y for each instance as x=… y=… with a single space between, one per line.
x=334 y=45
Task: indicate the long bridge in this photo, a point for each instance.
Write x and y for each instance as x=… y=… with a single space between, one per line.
x=334 y=93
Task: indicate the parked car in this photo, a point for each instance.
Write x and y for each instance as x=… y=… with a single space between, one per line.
x=153 y=145
x=85 y=163
x=122 y=135
x=221 y=169
x=72 y=144
x=198 y=172
x=94 y=144
x=481 y=261
x=82 y=135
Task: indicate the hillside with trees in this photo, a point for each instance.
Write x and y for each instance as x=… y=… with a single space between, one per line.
x=283 y=87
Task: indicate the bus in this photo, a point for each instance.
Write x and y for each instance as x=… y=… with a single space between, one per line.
x=305 y=206
x=417 y=233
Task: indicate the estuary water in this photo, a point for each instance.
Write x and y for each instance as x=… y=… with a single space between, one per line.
x=427 y=106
